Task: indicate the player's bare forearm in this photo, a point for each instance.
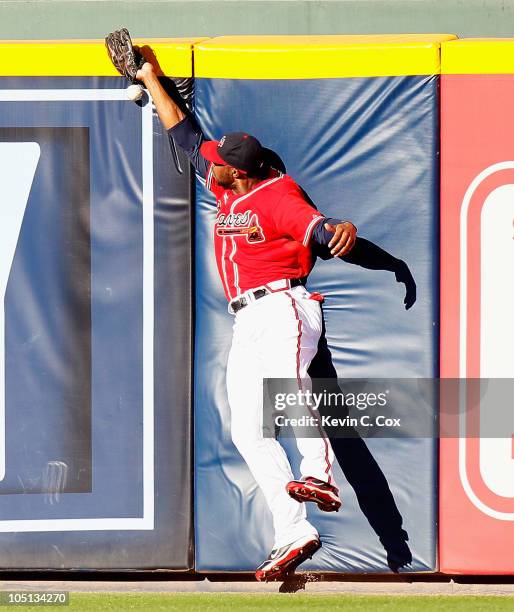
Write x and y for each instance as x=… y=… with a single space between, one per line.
x=169 y=113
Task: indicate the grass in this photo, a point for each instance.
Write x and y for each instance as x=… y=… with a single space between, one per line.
x=249 y=602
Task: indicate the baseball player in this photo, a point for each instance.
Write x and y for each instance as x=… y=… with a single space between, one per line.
x=263 y=233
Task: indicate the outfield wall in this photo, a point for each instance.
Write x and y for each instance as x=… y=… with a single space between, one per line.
x=100 y=244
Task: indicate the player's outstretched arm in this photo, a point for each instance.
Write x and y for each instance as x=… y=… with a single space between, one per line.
x=180 y=126
x=169 y=112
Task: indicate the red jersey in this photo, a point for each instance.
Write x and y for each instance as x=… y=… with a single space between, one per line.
x=263 y=235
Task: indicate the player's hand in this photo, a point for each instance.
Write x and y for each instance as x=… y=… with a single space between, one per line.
x=344 y=237
x=403 y=275
x=151 y=66
x=146 y=71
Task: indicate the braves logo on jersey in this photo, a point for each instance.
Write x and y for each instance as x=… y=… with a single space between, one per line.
x=240 y=224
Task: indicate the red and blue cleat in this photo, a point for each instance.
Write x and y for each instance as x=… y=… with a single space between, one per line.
x=318 y=491
x=283 y=561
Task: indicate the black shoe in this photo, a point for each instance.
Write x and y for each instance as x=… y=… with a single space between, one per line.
x=283 y=561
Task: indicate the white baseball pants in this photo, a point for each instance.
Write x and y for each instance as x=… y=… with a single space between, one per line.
x=275 y=337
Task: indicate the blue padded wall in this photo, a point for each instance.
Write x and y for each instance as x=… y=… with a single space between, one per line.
x=364 y=149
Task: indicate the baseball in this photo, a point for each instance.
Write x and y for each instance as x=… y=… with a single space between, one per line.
x=134 y=92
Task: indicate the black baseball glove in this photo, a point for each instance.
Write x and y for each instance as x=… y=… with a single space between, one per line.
x=126 y=59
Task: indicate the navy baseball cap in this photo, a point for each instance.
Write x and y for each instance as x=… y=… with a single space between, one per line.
x=237 y=149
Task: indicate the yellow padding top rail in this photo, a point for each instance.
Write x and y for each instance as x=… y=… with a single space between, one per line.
x=315 y=57
x=478 y=56
x=87 y=57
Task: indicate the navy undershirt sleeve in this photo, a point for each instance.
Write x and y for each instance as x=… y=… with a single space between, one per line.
x=322 y=236
x=189 y=137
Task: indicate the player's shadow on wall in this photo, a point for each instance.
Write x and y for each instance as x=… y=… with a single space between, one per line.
x=369 y=255
x=364 y=253
x=361 y=470
x=357 y=463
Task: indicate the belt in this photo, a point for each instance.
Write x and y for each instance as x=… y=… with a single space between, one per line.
x=252 y=295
